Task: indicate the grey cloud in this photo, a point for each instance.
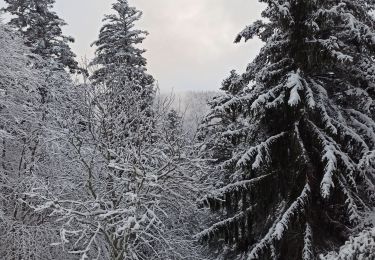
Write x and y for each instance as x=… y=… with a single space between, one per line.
x=190 y=45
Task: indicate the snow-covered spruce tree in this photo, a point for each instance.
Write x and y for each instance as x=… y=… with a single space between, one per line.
x=117 y=50
x=121 y=71
x=41 y=28
x=293 y=137
x=361 y=246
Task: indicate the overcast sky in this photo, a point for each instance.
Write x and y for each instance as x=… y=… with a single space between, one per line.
x=190 y=46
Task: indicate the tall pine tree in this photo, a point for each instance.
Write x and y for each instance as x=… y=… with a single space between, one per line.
x=117 y=56
x=41 y=28
x=293 y=138
x=127 y=89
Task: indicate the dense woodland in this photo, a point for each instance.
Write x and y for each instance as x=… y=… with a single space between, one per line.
x=280 y=164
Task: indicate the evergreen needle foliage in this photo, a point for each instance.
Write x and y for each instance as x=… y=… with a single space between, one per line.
x=292 y=138
x=41 y=29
